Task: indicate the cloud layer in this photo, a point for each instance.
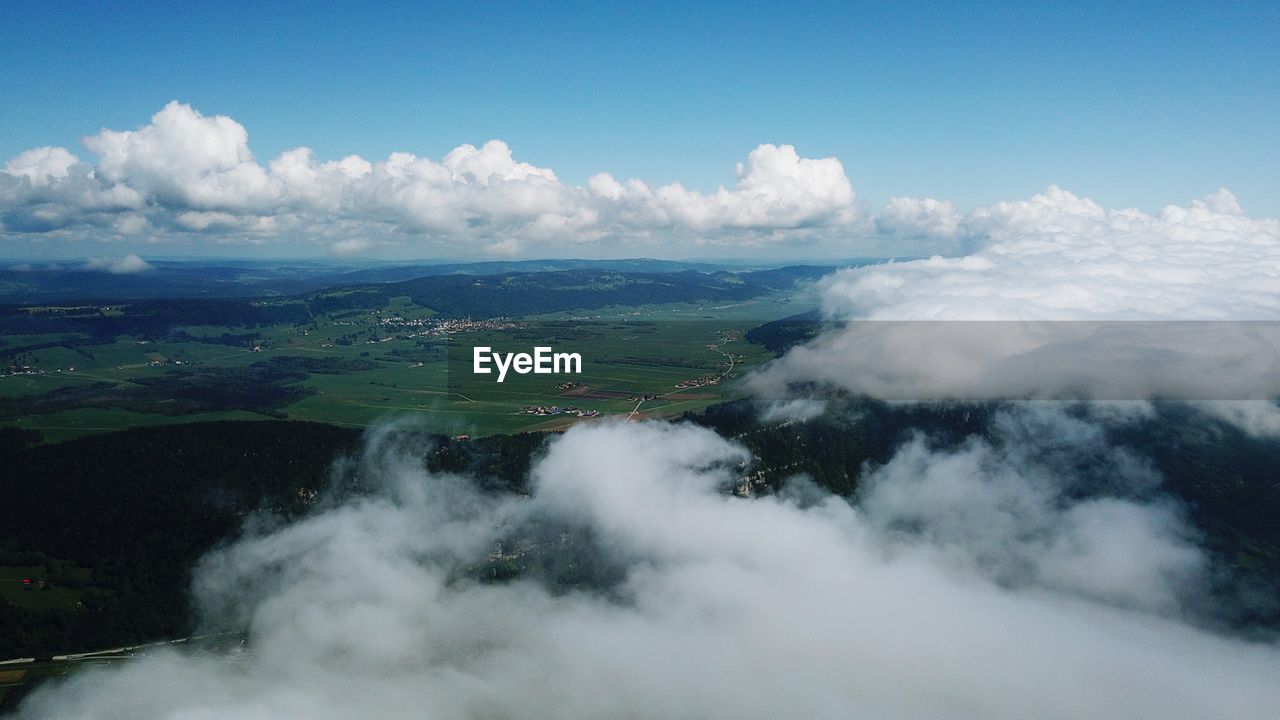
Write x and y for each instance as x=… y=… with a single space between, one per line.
x=1061 y=299
x=185 y=172
x=968 y=584
x=127 y=265
x=1061 y=257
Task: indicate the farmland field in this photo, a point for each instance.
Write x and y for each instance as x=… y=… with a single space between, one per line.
x=354 y=366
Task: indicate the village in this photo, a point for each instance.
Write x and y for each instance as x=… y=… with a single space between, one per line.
x=557 y=410
x=433 y=327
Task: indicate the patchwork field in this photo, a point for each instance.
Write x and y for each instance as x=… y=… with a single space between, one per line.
x=356 y=367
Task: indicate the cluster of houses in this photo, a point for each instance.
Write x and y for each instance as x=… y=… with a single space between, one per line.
x=427 y=327
x=23 y=370
x=32 y=370
x=749 y=483
x=698 y=382
x=307 y=496
x=557 y=410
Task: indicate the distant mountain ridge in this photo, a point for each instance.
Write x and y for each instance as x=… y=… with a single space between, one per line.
x=525 y=293
x=449 y=295
x=28 y=284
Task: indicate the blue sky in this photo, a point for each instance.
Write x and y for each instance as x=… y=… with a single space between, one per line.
x=1130 y=104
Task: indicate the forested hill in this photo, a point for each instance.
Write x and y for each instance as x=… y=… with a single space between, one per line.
x=531 y=293
x=119 y=520
x=112 y=524
x=25 y=283
x=31 y=283
x=455 y=295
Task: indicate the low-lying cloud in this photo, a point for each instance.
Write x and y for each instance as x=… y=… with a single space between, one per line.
x=969 y=583
x=1062 y=299
x=1054 y=360
x=127 y=265
x=1061 y=257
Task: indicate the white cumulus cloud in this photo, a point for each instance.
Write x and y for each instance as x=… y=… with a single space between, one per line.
x=42 y=166
x=189 y=172
x=776 y=188
x=1061 y=257
x=918 y=218
x=185 y=159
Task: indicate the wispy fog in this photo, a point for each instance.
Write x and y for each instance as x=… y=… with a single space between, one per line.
x=967 y=583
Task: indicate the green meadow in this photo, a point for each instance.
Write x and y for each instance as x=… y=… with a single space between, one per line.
x=359 y=367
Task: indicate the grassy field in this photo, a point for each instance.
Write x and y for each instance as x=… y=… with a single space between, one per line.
x=36 y=594
x=357 y=367
x=89 y=421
